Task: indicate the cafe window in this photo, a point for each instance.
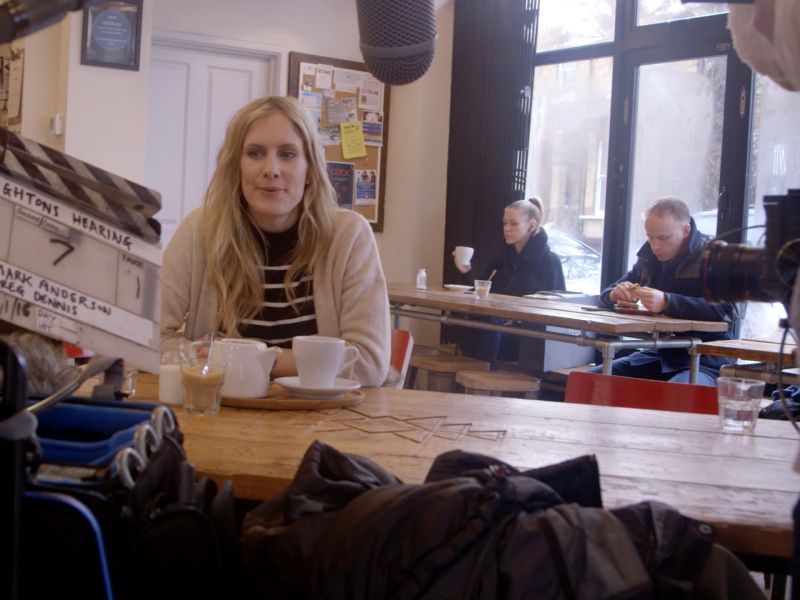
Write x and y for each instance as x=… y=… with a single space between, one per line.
x=622 y=101
x=649 y=12
x=659 y=104
x=677 y=140
x=568 y=161
x=572 y=23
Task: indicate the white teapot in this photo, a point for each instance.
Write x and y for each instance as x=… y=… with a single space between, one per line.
x=249 y=364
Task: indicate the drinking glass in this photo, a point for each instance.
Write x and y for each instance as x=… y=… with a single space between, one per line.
x=482 y=287
x=739 y=400
x=202 y=376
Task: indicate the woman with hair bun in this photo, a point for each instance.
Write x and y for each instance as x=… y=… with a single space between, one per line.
x=525 y=265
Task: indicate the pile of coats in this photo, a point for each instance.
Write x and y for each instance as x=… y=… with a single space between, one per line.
x=476 y=528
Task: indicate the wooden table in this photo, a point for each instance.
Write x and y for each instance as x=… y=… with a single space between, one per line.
x=743 y=485
x=758 y=350
x=653 y=331
x=762 y=351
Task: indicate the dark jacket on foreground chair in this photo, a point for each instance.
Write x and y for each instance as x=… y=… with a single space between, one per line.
x=477 y=528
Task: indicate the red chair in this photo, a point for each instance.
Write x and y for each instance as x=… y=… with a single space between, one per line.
x=73 y=351
x=402 y=344
x=629 y=392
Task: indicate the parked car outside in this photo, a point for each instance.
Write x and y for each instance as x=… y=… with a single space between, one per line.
x=580 y=262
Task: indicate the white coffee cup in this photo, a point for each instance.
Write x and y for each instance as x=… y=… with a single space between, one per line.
x=319 y=359
x=463 y=254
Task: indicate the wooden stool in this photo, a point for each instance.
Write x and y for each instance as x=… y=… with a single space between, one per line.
x=554 y=383
x=448 y=349
x=494 y=383
x=440 y=369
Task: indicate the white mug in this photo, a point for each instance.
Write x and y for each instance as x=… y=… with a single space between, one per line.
x=319 y=359
x=463 y=254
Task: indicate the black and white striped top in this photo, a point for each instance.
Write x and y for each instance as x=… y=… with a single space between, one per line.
x=281 y=318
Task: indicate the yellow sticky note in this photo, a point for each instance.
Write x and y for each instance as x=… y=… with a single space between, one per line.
x=352 y=139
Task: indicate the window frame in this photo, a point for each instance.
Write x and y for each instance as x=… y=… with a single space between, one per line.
x=632 y=47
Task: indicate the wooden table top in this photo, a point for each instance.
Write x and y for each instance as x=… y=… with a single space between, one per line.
x=556 y=312
x=743 y=485
x=760 y=350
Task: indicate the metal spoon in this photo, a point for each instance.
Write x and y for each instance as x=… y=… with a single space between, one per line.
x=204 y=370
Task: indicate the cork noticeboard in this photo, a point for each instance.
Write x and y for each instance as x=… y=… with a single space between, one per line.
x=351 y=109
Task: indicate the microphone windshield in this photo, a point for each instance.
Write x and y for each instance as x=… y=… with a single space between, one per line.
x=398 y=38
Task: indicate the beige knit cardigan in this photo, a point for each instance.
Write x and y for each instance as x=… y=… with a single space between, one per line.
x=350 y=297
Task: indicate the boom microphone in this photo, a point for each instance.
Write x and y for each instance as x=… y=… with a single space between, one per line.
x=21 y=17
x=398 y=38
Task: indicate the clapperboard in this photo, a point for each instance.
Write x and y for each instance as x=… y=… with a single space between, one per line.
x=80 y=258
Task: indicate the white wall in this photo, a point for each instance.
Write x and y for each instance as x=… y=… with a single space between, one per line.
x=416 y=185
x=325 y=27
x=107 y=108
x=43 y=91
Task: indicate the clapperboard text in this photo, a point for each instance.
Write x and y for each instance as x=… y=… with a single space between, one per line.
x=71 y=303
x=46 y=293
x=43 y=206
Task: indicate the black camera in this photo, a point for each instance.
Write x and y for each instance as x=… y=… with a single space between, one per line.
x=734 y=272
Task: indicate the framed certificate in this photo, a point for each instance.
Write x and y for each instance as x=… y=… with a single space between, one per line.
x=112 y=31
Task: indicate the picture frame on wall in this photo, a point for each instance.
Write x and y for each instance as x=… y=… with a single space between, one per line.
x=112 y=33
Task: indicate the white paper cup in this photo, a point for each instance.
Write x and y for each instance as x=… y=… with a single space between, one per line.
x=463 y=254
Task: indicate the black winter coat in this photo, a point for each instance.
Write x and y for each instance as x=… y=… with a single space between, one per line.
x=682 y=279
x=534 y=269
x=478 y=528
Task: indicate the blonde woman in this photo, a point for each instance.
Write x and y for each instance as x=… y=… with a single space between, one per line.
x=525 y=265
x=269 y=255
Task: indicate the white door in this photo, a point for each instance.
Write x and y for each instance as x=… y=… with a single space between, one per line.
x=193 y=94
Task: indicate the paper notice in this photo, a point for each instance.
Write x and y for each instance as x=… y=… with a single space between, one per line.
x=311 y=99
x=341 y=176
x=371 y=95
x=366 y=186
x=352 y=140
x=308 y=73
x=346 y=80
x=324 y=77
x=340 y=110
x=373 y=127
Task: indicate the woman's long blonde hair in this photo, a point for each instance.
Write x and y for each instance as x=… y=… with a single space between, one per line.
x=233 y=243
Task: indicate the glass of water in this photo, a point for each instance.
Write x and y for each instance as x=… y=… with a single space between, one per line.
x=739 y=400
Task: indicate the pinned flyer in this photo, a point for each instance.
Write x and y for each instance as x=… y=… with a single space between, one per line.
x=352 y=140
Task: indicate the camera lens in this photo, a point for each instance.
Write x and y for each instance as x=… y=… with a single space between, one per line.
x=735 y=272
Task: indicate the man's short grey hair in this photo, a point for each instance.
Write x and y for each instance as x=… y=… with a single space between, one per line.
x=672 y=206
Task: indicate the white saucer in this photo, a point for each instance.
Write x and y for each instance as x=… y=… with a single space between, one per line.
x=340 y=387
x=457 y=288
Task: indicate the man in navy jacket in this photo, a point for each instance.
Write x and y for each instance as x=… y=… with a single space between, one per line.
x=667 y=278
